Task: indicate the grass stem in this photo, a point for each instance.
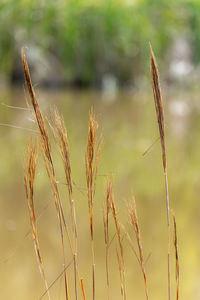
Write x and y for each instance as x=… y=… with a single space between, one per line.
x=160 y=117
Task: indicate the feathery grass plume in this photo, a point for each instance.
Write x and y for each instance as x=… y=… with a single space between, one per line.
x=176 y=257
x=45 y=142
x=106 y=228
x=121 y=257
x=160 y=117
x=134 y=221
x=62 y=140
x=38 y=114
x=29 y=177
x=91 y=165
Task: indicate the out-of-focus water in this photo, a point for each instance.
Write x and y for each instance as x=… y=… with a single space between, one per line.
x=129 y=127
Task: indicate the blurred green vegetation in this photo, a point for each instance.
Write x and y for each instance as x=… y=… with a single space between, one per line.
x=91 y=39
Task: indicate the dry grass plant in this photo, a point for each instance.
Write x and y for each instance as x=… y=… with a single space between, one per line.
x=91 y=166
x=45 y=143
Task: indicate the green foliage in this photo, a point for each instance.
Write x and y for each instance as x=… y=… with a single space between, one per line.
x=92 y=39
x=193 y=9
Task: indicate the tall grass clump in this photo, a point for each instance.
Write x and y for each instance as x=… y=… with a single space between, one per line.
x=69 y=229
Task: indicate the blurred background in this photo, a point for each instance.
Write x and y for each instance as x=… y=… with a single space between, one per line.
x=96 y=53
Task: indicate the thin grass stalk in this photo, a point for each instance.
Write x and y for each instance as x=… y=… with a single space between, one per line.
x=68 y=236
x=106 y=250
x=45 y=142
x=134 y=221
x=176 y=257
x=61 y=218
x=160 y=117
x=121 y=260
x=62 y=139
x=29 y=177
x=55 y=280
x=106 y=229
x=83 y=290
x=132 y=246
x=91 y=165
